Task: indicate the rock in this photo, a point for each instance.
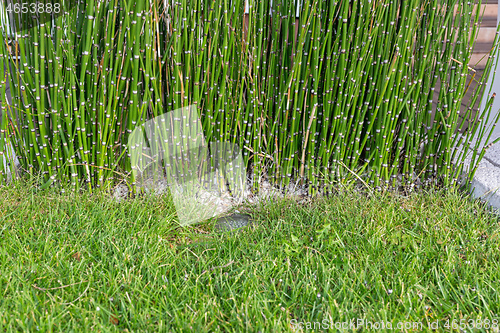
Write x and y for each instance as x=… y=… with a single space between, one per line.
x=232 y=222
x=120 y=192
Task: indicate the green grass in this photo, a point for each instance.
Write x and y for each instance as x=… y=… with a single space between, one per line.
x=81 y=262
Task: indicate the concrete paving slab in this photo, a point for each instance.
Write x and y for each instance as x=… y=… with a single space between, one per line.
x=486 y=180
x=486 y=183
x=493 y=154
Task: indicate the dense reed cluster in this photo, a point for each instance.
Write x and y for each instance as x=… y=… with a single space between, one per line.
x=317 y=91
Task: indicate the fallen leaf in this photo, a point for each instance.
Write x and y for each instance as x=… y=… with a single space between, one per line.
x=113 y=320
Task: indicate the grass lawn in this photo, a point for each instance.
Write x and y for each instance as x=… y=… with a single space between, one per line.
x=82 y=263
